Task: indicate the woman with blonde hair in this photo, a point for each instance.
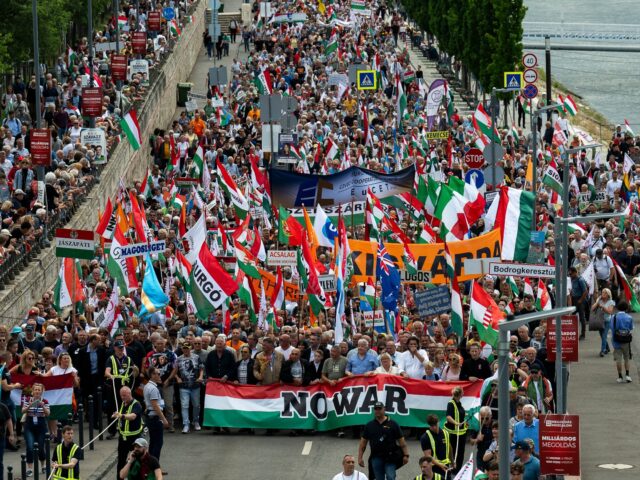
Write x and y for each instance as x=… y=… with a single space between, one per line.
x=387 y=366
x=604 y=306
x=451 y=373
x=35 y=410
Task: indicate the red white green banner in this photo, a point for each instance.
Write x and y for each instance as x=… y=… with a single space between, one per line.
x=58 y=392
x=324 y=407
x=75 y=243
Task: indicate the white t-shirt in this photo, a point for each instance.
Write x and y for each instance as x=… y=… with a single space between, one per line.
x=56 y=370
x=284 y=352
x=356 y=476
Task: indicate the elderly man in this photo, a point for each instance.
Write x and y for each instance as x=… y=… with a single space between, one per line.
x=528 y=427
x=129 y=424
x=364 y=361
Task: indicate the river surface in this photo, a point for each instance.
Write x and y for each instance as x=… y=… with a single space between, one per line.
x=609 y=82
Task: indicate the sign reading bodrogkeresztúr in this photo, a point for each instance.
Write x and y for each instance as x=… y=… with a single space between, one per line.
x=522 y=270
x=137 y=249
x=75 y=243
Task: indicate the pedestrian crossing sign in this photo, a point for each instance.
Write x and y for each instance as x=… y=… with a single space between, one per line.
x=367 y=80
x=513 y=80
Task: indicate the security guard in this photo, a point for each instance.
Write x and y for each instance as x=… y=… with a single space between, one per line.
x=456 y=427
x=436 y=446
x=130 y=424
x=120 y=371
x=426 y=467
x=66 y=457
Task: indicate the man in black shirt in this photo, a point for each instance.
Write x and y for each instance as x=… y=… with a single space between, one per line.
x=66 y=457
x=475 y=367
x=386 y=438
x=220 y=363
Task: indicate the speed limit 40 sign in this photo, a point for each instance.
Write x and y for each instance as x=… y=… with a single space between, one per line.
x=529 y=60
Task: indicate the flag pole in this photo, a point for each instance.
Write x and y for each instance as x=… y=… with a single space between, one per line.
x=73 y=292
x=353 y=227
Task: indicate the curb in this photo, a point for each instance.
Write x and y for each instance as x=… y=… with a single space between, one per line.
x=105 y=467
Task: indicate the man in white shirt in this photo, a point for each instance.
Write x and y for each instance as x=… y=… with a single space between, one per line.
x=412 y=360
x=613 y=185
x=285 y=346
x=349 y=471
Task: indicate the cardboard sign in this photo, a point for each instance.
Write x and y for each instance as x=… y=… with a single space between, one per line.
x=559 y=443
x=41 y=147
x=569 y=338
x=327 y=282
x=139 y=42
x=373 y=318
x=140 y=67
x=96 y=139
x=153 y=21
x=119 y=67
x=433 y=301
x=92 y=102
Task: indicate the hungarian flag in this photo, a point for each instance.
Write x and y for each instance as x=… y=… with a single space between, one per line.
x=332 y=45
x=107 y=222
x=277 y=298
x=457 y=314
x=290 y=232
x=112 y=319
x=528 y=288
x=68 y=289
x=210 y=283
x=331 y=150
x=512 y=212
x=138 y=218
x=474 y=209
x=401 y=101
x=485 y=314
x=427 y=235
x=551 y=177
x=570 y=106
x=484 y=127
x=146 y=184
x=198 y=161
x=374 y=215
x=450 y=211
x=238 y=200
x=58 y=392
x=247 y=294
x=122 y=269
x=245 y=261
x=175 y=29
x=131 y=128
x=543 y=302
x=309 y=278
x=193 y=239
x=628 y=292
x=627 y=128
x=264 y=83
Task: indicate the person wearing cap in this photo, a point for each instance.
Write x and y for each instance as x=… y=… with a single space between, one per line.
x=30 y=341
x=349 y=471
x=189 y=379
x=435 y=444
x=389 y=450
x=129 y=424
x=530 y=463
x=140 y=464
x=65 y=461
x=119 y=372
x=539 y=389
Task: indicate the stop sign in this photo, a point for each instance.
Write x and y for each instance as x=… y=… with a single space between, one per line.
x=474 y=158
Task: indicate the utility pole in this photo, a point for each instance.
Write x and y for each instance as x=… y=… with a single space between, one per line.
x=92 y=121
x=547 y=67
x=36 y=66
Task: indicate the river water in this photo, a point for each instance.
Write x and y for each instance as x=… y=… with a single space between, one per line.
x=609 y=82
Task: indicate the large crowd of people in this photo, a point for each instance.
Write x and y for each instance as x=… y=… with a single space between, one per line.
x=155 y=367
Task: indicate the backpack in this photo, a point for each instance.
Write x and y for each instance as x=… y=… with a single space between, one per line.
x=621 y=336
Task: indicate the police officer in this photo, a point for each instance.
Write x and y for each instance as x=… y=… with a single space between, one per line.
x=66 y=457
x=155 y=419
x=426 y=469
x=436 y=445
x=130 y=424
x=119 y=372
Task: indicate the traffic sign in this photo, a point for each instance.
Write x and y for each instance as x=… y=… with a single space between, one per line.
x=475 y=177
x=530 y=91
x=168 y=13
x=530 y=75
x=367 y=80
x=513 y=80
x=474 y=158
x=522 y=270
x=529 y=60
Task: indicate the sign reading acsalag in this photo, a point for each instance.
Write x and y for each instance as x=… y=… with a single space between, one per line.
x=75 y=243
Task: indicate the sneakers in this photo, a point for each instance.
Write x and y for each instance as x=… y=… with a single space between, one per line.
x=341 y=434
x=185 y=429
x=197 y=427
x=29 y=473
x=628 y=379
x=620 y=380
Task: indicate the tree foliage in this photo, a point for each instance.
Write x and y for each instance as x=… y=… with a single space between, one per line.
x=486 y=35
x=54 y=19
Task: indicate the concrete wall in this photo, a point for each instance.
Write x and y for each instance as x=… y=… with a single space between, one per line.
x=157 y=111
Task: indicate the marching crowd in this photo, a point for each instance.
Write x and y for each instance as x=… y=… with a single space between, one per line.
x=154 y=368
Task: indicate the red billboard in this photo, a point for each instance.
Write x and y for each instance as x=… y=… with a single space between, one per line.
x=569 y=338
x=139 y=42
x=40 y=147
x=119 y=67
x=92 y=102
x=559 y=442
x=153 y=21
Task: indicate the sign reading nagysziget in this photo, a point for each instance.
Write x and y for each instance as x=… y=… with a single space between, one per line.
x=522 y=270
x=137 y=249
x=75 y=243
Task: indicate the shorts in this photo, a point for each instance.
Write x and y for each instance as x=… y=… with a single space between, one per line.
x=622 y=352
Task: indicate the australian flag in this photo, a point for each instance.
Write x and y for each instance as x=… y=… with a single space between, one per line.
x=389 y=278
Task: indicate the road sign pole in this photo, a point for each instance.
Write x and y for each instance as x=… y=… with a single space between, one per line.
x=534 y=162
x=547 y=67
x=494 y=98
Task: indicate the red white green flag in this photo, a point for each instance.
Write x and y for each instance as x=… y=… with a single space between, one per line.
x=543 y=301
x=485 y=314
x=131 y=129
x=68 y=288
x=210 y=283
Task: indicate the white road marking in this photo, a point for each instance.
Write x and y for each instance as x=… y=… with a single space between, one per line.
x=307 y=448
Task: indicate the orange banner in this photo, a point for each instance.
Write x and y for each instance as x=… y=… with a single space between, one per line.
x=291 y=290
x=429 y=257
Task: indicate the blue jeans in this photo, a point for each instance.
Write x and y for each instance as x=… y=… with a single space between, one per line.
x=604 y=334
x=35 y=433
x=382 y=469
x=192 y=394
